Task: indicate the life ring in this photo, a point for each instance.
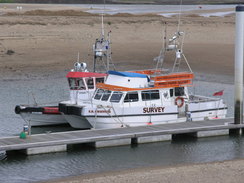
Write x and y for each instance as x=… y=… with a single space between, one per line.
x=179 y=101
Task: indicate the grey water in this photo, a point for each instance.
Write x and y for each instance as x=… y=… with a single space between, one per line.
x=20 y=168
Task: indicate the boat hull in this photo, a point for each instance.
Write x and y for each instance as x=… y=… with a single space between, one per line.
x=107 y=117
x=113 y=122
x=78 y=122
x=133 y=116
x=39 y=119
x=72 y=115
x=40 y=115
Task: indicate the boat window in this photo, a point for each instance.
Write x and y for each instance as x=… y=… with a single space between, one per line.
x=106 y=95
x=131 y=97
x=116 y=96
x=99 y=80
x=99 y=94
x=81 y=85
x=179 y=91
x=76 y=84
x=150 y=95
x=90 y=83
x=71 y=83
x=171 y=92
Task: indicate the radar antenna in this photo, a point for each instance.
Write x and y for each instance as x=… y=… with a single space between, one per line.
x=175 y=43
x=102 y=52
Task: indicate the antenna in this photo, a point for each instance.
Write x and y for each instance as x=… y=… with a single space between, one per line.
x=175 y=44
x=78 y=57
x=102 y=26
x=102 y=19
x=102 y=59
x=161 y=57
x=179 y=17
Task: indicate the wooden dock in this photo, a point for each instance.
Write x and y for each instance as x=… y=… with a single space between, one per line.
x=53 y=142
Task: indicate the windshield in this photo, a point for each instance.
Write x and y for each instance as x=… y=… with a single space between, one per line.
x=90 y=83
x=99 y=94
x=116 y=96
x=106 y=95
x=76 y=84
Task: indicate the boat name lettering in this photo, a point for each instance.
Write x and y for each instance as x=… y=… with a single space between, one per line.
x=153 y=109
x=99 y=111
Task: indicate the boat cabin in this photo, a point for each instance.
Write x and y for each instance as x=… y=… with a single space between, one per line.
x=134 y=88
x=83 y=84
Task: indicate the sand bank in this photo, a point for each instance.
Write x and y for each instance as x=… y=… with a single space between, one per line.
x=46 y=45
x=224 y=172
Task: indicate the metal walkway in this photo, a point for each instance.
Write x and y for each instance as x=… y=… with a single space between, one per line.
x=86 y=136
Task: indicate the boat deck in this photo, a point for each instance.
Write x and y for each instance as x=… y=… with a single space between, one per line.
x=87 y=136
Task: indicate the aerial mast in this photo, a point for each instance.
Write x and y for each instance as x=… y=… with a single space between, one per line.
x=102 y=59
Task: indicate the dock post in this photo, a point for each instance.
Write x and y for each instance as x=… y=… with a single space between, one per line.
x=239 y=49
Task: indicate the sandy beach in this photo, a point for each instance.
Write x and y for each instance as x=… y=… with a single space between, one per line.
x=36 y=45
x=226 y=172
x=47 y=45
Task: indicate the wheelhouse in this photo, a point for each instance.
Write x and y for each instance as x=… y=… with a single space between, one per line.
x=84 y=80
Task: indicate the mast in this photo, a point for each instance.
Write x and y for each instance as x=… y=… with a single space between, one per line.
x=102 y=26
x=175 y=43
x=102 y=59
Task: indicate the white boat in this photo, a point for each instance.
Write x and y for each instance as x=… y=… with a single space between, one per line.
x=137 y=102
x=82 y=85
x=149 y=97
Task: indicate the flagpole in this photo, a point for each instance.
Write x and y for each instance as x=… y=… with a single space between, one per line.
x=219 y=93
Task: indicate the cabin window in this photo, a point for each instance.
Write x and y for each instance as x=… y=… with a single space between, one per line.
x=106 y=95
x=171 y=92
x=90 y=83
x=72 y=83
x=99 y=80
x=131 y=97
x=150 y=95
x=179 y=91
x=81 y=84
x=116 y=96
x=76 y=84
x=99 y=94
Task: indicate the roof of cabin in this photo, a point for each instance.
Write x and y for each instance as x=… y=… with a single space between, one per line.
x=165 y=81
x=127 y=74
x=85 y=74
